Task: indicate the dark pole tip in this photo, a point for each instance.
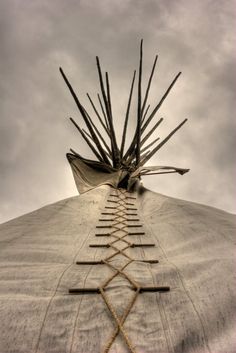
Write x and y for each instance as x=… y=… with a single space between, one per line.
x=141 y=46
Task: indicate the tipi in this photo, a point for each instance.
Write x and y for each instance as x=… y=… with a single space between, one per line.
x=118 y=268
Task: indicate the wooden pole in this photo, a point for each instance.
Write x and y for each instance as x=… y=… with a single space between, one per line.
x=82 y=111
x=149 y=85
x=149 y=145
x=147 y=122
x=164 y=141
x=145 y=114
x=160 y=103
x=115 y=153
x=90 y=137
x=116 y=149
x=75 y=153
x=104 y=114
x=127 y=117
x=151 y=131
x=98 y=115
x=99 y=135
x=139 y=117
x=87 y=140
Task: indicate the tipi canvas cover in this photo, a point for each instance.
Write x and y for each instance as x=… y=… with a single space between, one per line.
x=118 y=268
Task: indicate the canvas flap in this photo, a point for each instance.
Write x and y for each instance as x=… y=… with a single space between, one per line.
x=90 y=174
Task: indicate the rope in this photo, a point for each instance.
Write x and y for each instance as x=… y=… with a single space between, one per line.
x=129 y=307
x=118 y=233
x=119 y=324
x=119 y=225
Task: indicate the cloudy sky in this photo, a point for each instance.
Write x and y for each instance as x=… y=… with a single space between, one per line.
x=193 y=36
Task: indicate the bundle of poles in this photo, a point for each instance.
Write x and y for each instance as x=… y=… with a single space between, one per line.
x=136 y=154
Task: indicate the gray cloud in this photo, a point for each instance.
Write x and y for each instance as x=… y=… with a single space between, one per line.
x=37 y=37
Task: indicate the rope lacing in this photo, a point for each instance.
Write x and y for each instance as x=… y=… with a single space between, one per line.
x=119 y=225
x=118 y=231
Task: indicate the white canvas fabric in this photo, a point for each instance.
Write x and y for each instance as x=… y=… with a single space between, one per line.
x=195 y=246
x=89 y=174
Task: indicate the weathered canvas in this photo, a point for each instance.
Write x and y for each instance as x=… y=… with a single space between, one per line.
x=118 y=268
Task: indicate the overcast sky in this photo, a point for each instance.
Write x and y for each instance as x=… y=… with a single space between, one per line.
x=38 y=36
